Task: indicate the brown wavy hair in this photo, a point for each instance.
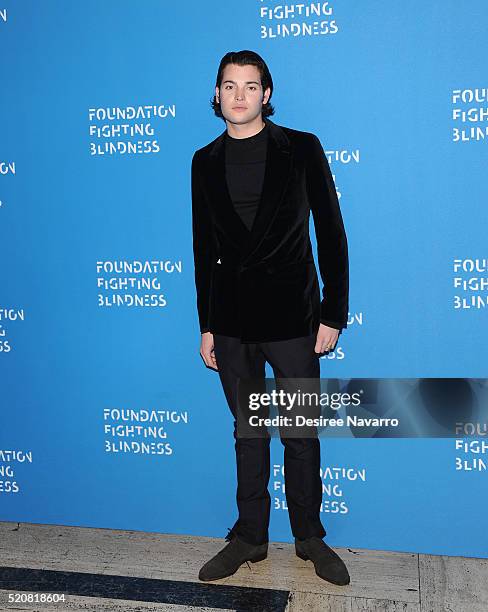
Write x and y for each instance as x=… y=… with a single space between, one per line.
x=244 y=58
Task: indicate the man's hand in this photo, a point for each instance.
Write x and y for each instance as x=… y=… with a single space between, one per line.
x=207 y=350
x=326 y=339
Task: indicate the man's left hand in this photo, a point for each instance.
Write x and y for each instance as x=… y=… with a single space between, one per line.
x=326 y=339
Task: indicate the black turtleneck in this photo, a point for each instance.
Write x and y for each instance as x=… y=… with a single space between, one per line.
x=245 y=163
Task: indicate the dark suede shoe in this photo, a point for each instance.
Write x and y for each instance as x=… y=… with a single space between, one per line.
x=328 y=564
x=227 y=561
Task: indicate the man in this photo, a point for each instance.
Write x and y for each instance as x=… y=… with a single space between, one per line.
x=258 y=296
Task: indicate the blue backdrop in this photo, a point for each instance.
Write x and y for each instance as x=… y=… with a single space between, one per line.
x=109 y=417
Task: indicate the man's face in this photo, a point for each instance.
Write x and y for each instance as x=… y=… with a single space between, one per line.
x=241 y=94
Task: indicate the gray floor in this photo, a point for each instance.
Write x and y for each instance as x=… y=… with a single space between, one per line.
x=102 y=569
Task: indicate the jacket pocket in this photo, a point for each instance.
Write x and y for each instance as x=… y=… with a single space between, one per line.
x=285 y=267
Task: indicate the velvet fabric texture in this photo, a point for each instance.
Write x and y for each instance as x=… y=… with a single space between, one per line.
x=261 y=285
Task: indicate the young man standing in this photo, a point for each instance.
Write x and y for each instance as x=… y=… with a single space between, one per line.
x=258 y=296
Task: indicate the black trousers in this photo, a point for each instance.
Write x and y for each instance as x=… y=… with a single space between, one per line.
x=293 y=358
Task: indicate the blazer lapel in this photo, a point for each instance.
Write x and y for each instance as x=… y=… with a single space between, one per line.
x=276 y=177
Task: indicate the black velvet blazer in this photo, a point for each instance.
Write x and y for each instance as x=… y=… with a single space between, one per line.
x=262 y=285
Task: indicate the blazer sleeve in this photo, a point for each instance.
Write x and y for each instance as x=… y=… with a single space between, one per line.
x=332 y=249
x=203 y=247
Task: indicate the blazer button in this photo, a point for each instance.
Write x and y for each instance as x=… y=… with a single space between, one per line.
x=270 y=269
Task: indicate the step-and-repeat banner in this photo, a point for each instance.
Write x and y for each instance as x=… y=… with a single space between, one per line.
x=109 y=417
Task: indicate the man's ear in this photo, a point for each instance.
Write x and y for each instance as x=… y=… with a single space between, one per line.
x=217 y=93
x=267 y=93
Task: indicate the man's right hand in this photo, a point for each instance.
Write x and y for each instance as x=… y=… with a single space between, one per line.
x=207 y=350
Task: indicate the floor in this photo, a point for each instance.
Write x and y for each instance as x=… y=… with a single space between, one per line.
x=108 y=570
